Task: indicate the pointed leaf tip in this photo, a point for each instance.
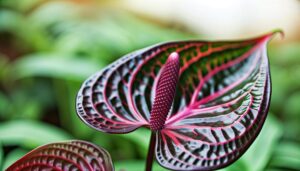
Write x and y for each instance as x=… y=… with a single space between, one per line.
x=278 y=31
x=273 y=33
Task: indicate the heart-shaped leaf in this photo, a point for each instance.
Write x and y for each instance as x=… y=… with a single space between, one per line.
x=71 y=155
x=221 y=100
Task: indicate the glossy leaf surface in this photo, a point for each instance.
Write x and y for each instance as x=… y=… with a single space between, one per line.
x=220 y=108
x=221 y=100
x=65 y=156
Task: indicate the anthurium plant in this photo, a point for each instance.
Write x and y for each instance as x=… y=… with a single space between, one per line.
x=204 y=103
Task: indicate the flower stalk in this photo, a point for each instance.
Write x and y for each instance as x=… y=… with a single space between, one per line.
x=151 y=149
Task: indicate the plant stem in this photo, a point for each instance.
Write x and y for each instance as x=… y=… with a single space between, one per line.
x=151 y=150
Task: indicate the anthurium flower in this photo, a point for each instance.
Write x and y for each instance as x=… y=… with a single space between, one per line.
x=65 y=156
x=205 y=102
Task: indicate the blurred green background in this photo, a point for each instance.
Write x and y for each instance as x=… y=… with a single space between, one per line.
x=48 y=48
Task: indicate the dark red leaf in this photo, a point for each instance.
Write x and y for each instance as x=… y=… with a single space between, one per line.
x=65 y=156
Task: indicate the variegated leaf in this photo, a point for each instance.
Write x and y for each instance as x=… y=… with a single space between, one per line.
x=221 y=105
x=65 y=156
x=221 y=100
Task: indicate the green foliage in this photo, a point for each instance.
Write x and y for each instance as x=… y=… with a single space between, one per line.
x=285 y=71
x=135 y=165
x=52 y=46
x=13 y=156
x=1 y=155
x=287 y=156
x=48 y=65
x=140 y=138
x=30 y=134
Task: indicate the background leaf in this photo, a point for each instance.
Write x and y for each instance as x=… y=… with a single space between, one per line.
x=140 y=138
x=135 y=165
x=13 y=156
x=286 y=156
x=1 y=156
x=53 y=66
x=30 y=133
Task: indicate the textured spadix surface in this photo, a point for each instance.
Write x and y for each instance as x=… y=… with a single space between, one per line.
x=165 y=92
x=221 y=100
x=65 y=156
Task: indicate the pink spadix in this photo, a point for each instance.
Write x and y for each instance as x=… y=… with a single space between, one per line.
x=165 y=92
